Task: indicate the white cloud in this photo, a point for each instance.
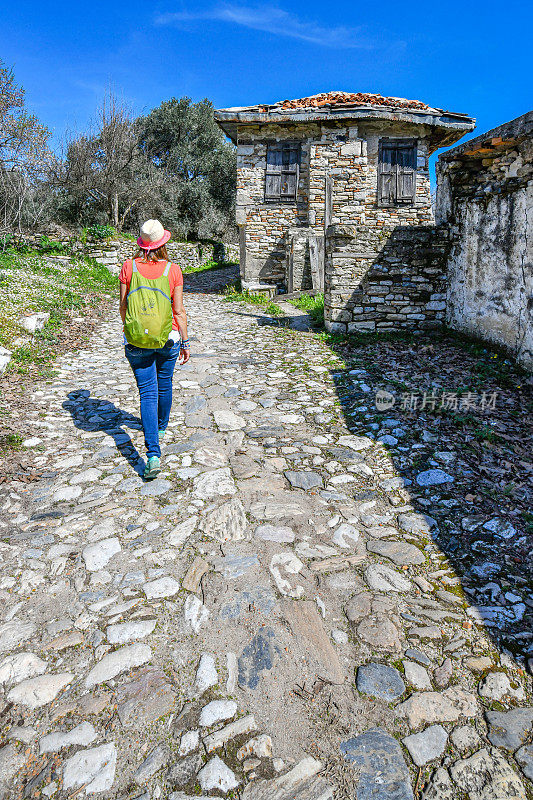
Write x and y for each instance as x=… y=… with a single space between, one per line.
x=273 y=19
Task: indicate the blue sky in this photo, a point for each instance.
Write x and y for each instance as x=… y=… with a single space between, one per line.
x=459 y=56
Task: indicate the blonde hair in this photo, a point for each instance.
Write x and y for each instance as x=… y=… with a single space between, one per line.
x=152 y=255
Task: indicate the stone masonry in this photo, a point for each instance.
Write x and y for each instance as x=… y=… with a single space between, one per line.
x=113 y=252
x=340 y=138
x=485 y=199
x=384 y=279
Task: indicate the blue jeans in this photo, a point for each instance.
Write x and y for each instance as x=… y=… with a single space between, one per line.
x=153 y=370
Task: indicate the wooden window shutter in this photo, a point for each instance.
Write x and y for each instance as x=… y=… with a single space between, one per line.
x=273 y=173
x=406 y=174
x=386 y=177
x=396 y=172
x=282 y=170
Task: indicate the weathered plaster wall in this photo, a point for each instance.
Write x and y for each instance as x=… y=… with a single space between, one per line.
x=337 y=184
x=485 y=198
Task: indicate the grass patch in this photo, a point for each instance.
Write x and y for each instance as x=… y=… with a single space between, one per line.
x=313 y=304
x=10 y=442
x=234 y=294
x=33 y=282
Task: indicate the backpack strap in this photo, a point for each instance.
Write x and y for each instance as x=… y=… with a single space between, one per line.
x=167 y=270
x=133 y=266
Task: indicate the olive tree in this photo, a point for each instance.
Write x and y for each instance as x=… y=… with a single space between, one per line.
x=196 y=168
x=104 y=172
x=24 y=153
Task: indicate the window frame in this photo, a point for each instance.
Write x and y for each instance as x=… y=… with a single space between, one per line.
x=289 y=169
x=397 y=144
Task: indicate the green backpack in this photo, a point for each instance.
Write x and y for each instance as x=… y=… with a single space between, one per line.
x=149 y=313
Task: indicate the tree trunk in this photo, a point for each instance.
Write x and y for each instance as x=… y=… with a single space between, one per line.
x=114 y=209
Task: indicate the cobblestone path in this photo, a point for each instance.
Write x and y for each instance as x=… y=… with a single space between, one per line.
x=270 y=619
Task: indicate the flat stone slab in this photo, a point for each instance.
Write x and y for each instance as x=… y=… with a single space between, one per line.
x=227 y=522
x=233 y=566
x=165 y=586
x=259 y=599
x=99 y=554
x=524 y=757
x=426 y=745
x=11 y=761
x=509 y=729
x=82 y=734
x=400 y=553
x=191 y=581
x=486 y=775
x=380 y=632
x=238 y=728
x=302 y=782
x=117 y=662
x=155 y=488
x=37 y=692
x=217 y=711
x=213 y=484
x=217 y=775
x=431 y=707
x=155 y=760
x=380 y=680
x=206 y=674
x=303 y=480
x=384 y=579
x=278 y=506
x=228 y=421
x=274 y=533
x=95 y=768
x=125 y=632
x=20 y=666
x=433 y=477
x=13 y=634
x=144 y=699
x=381 y=768
x=311 y=636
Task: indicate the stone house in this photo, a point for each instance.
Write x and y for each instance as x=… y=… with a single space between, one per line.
x=323 y=182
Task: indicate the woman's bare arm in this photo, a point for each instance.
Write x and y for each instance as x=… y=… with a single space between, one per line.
x=123 y=301
x=181 y=316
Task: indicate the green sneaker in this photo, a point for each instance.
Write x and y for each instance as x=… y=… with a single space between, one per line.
x=152 y=469
x=161 y=434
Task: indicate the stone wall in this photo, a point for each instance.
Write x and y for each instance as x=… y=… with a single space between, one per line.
x=113 y=252
x=485 y=199
x=337 y=184
x=378 y=280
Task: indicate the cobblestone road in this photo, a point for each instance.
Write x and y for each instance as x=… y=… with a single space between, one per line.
x=270 y=619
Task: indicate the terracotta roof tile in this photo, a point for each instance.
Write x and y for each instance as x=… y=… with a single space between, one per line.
x=345 y=99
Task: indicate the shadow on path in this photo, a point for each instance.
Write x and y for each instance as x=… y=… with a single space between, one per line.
x=456 y=421
x=210 y=281
x=94 y=414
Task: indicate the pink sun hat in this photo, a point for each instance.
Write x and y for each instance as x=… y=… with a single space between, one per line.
x=153 y=235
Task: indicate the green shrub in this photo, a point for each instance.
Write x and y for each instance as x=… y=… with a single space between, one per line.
x=47 y=245
x=314 y=305
x=99 y=231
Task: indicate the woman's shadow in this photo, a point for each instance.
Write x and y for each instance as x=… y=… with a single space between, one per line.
x=95 y=414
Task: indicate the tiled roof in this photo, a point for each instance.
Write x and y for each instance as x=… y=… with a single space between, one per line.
x=345 y=99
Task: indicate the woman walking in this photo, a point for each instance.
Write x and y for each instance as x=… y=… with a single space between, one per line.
x=155 y=332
